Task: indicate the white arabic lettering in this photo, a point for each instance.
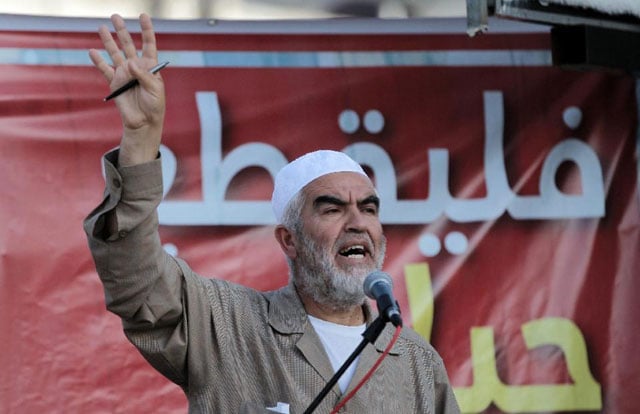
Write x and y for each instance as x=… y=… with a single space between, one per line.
x=217 y=173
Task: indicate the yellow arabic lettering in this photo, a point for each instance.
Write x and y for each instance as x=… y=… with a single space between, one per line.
x=477 y=397
x=584 y=393
x=420 y=294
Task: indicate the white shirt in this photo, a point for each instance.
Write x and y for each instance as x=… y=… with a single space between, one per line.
x=339 y=343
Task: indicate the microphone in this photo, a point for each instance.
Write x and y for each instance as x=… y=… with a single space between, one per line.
x=379 y=286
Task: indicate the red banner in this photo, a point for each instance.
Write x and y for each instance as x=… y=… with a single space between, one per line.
x=509 y=195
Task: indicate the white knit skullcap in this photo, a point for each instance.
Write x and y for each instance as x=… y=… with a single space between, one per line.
x=301 y=171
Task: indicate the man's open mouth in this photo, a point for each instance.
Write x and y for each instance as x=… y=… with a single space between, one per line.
x=357 y=251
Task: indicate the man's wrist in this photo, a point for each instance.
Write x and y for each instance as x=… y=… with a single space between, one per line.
x=139 y=146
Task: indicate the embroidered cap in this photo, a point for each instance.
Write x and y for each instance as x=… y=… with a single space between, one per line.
x=301 y=171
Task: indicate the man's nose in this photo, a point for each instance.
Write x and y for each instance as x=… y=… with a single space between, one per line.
x=355 y=220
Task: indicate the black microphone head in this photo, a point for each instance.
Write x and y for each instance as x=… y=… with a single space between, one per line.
x=373 y=278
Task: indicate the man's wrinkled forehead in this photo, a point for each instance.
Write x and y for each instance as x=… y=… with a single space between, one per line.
x=293 y=177
x=342 y=187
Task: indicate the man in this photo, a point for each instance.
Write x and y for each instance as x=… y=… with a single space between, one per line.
x=231 y=348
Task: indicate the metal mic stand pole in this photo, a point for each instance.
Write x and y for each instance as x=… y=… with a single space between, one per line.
x=370 y=335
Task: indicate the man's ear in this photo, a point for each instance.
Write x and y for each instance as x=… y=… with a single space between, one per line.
x=286 y=240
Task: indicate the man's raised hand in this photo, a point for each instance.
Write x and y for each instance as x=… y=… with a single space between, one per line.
x=141 y=108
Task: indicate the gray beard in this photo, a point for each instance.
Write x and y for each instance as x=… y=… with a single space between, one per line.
x=315 y=275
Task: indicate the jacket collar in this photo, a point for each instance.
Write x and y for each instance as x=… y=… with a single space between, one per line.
x=288 y=316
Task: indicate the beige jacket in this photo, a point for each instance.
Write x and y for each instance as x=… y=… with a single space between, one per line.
x=233 y=349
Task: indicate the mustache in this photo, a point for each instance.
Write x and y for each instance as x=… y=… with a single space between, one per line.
x=350 y=240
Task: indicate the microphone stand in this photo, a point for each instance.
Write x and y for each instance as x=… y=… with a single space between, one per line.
x=370 y=335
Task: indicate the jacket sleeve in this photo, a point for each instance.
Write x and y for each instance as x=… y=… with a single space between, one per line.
x=445 y=399
x=142 y=283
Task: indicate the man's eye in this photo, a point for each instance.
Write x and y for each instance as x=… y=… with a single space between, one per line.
x=371 y=210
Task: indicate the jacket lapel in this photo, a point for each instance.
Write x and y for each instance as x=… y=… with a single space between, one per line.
x=313 y=350
x=288 y=316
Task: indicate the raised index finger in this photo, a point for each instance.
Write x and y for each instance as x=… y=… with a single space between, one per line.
x=149 y=49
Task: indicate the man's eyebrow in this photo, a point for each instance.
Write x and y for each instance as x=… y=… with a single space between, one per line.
x=327 y=199
x=372 y=199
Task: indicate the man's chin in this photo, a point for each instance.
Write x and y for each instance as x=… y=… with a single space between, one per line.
x=356 y=269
